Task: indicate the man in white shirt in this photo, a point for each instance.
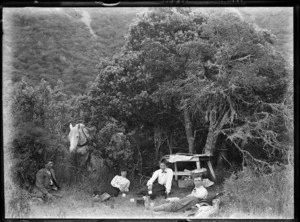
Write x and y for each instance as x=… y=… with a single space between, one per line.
x=160 y=183
x=198 y=194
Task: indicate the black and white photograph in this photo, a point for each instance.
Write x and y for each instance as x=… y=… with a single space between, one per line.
x=148 y=112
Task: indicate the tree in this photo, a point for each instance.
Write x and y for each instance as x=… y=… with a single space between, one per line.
x=240 y=88
x=211 y=70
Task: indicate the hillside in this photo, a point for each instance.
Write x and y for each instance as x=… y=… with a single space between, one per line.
x=58 y=44
x=67 y=43
x=279 y=21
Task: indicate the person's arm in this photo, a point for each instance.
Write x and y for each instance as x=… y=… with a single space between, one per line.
x=153 y=178
x=125 y=187
x=114 y=182
x=191 y=194
x=40 y=182
x=54 y=179
x=169 y=181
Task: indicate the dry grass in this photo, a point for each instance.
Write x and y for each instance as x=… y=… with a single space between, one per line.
x=79 y=205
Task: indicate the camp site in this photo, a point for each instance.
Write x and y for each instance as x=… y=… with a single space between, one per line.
x=148 y=113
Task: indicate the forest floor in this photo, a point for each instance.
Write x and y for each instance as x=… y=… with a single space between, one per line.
x=78 y=204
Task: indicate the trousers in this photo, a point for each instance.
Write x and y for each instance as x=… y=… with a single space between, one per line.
x=157 y=190
x=180 y=205
x=112 y=191
x=37 y=193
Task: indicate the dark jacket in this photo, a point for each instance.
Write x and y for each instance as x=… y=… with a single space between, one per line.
x=42 y=181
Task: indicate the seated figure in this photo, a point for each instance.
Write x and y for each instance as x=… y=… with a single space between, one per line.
x=121 y=183
x=118 y=184
x=160 y=183
x=46 y=186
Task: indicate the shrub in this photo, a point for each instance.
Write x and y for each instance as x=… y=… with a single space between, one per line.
x=37 y=130
x=19 y=204
x=260 y=194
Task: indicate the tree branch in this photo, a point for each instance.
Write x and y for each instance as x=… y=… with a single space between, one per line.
x=242 y=59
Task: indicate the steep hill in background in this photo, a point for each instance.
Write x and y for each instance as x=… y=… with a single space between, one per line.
x=279 y=21
x=68 y=43
x=59 y=44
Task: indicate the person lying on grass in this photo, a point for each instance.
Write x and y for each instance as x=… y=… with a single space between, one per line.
x=46 y=186
x=118 y=184
x=198 y=194
x=160 y=183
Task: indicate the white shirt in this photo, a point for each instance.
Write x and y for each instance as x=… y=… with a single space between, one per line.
x=163 y=178
x=121 y=182
x=199 y=192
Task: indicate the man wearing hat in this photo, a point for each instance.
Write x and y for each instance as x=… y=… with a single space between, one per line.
x=46 y=185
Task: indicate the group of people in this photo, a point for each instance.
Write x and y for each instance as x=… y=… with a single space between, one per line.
x=46 y=187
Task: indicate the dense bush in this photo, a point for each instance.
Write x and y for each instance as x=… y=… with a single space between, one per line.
x=38 y=116
x=261 y=195
x=116 y=148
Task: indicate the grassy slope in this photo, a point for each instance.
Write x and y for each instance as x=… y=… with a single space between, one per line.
x=56 y=44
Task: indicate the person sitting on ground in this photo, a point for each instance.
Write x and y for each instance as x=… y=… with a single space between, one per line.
x=46 y=186
x=118 y=184
x=121 y=183
x=198 y=194
x=160 y=183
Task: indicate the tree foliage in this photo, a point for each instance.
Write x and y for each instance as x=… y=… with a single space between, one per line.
x=186 y=80
x=205 y=69
x=39 y=116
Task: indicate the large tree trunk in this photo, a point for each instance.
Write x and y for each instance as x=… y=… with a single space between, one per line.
x=170 y=142
x=189 y=129
x=210 y=142
x=213 y=132
x=157 y=141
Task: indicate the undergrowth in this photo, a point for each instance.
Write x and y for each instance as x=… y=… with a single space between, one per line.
x=260 y=194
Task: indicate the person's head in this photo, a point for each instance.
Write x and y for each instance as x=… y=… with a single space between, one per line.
x=163 y=164
x=198 y=182
x=123 y=173
x=48 y=164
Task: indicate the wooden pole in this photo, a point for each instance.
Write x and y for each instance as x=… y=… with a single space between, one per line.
x=175 y=166
x=211 y=170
